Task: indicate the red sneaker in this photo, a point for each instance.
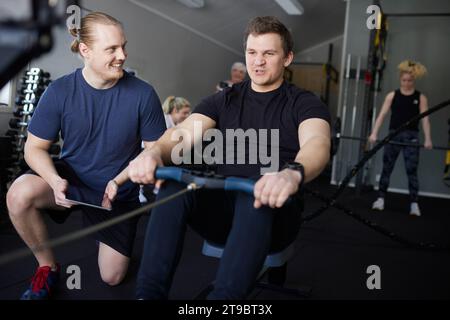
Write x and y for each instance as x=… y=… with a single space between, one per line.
x=42 y=283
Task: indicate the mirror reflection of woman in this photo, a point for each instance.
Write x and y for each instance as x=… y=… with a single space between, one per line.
x=176 y=109
x=404 y=103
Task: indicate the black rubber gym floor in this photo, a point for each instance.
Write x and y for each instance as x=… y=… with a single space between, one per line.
x=332 y=256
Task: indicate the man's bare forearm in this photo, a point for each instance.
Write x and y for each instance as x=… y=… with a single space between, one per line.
x=426 y=128
x=122 y=177
x=314 y=156
x=40 y=161
x=164 y=145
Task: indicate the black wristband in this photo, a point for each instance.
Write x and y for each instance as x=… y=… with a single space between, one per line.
x=297 y=166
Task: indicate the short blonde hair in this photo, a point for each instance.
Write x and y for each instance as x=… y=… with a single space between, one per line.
x=176 y=103
x=86 y=32
x=415 y=68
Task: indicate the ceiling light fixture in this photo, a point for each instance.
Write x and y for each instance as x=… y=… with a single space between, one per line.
x=292 y=7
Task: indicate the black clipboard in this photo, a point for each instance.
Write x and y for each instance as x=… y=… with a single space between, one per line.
x=85 y=197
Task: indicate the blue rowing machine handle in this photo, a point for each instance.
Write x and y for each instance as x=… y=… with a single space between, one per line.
x=239 y=184
x=209 y=182
x=169 y=173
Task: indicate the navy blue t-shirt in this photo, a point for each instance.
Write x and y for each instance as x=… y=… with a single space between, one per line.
x=102 y=130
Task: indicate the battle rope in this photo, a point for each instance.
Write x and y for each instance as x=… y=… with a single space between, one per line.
x=241 y=185
x=21 y=253
x=331 y=202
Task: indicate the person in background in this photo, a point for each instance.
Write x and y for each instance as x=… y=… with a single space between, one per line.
x=404 y=104
x=238 y=73
x=176 y=109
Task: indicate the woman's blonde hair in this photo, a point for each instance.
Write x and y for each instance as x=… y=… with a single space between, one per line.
x=415 y=68
x=85 y=33
x=176 y=103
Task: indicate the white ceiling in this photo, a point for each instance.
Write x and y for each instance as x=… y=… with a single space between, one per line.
x=225 y=20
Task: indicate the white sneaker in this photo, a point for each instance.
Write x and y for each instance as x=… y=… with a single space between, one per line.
x=378 y=204
x=414 y=211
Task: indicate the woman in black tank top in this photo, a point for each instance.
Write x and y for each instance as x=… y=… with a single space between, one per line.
x=404 y=103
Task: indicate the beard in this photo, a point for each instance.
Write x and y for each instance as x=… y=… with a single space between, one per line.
x=108 y=73
x=112 y=75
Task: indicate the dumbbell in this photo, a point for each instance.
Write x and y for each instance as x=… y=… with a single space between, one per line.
x=24 y=81
x=26 y=109
x=38 y=72
x=21 y=164
x=13 y=157
x=12 y=172
x=15 y=134
x=31 y=86
x=37 y=90
x=24 y=91
x=15 y=139
x=11 y=133
x=18 y=149
x=17 y=124
x=27 y=98
x=20 y=113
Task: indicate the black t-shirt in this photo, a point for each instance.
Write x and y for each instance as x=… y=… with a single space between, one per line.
x=239 y=107
x=403 y=108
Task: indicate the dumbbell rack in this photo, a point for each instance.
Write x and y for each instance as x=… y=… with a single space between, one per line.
x=31 y=86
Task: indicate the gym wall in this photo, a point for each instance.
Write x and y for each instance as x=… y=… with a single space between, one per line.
x=319 y=53
x=172 y=59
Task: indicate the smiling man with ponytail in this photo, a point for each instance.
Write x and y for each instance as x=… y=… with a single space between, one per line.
x=102 y=113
